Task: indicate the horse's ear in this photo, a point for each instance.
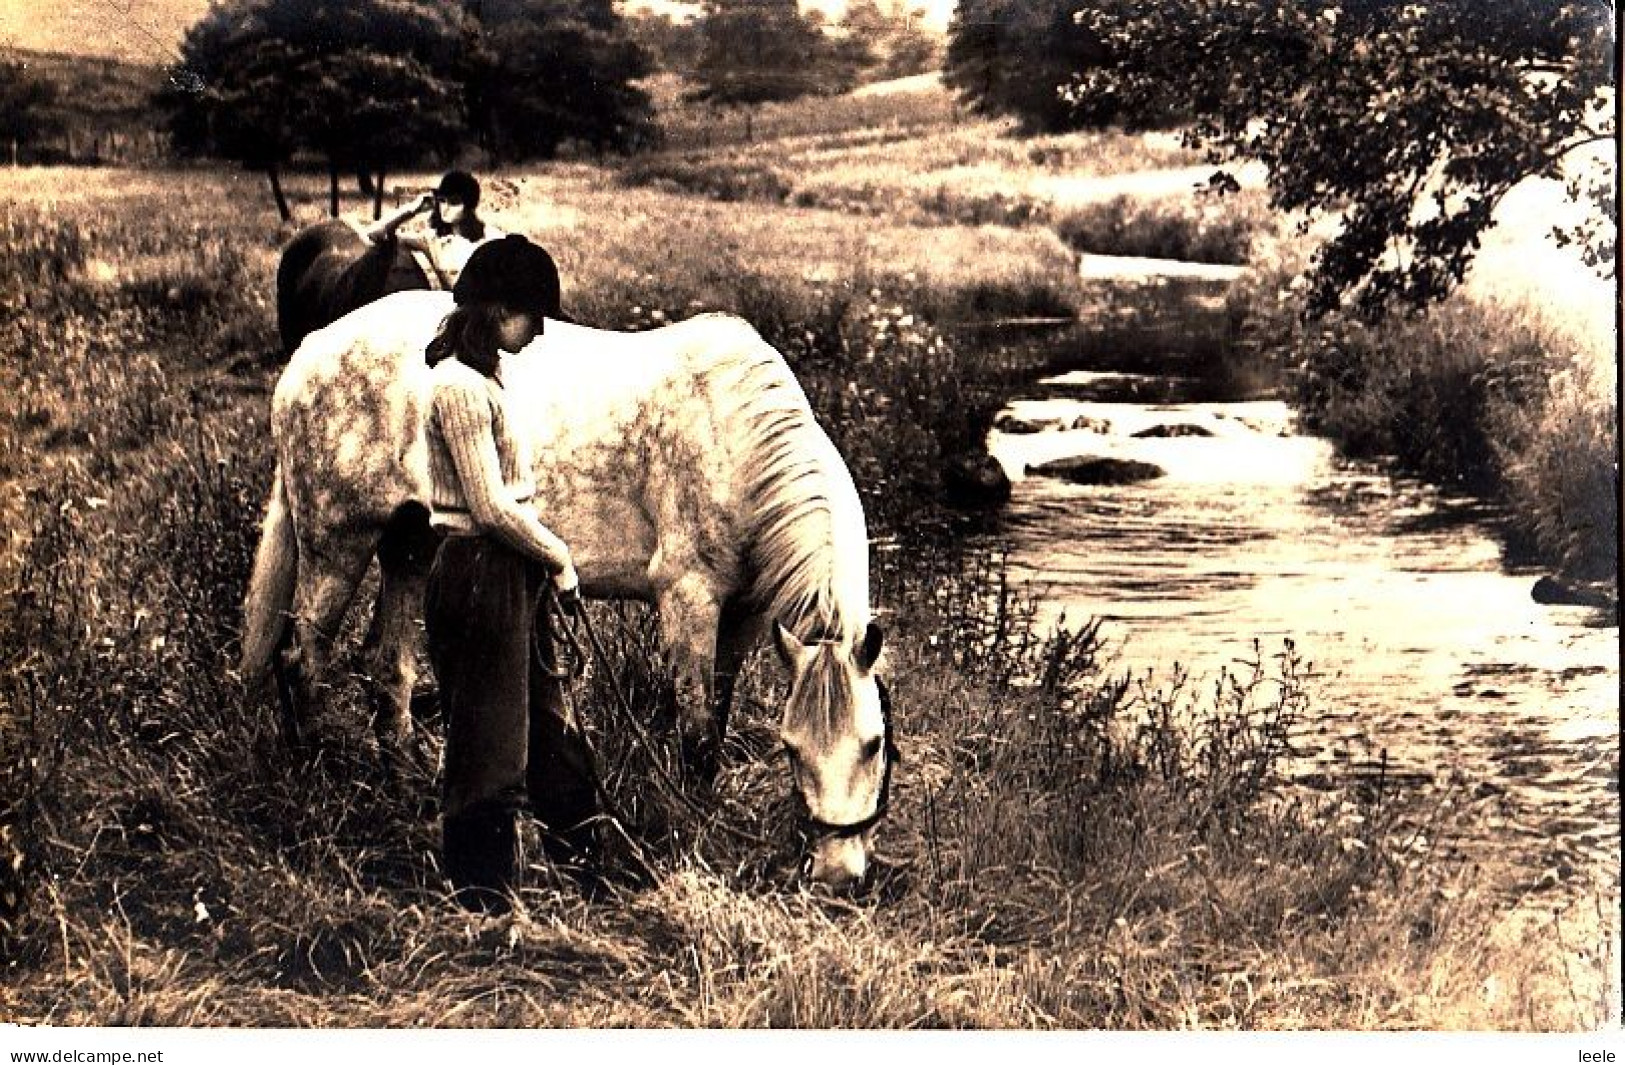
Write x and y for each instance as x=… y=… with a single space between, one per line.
x=868 y=652
x=787 y=643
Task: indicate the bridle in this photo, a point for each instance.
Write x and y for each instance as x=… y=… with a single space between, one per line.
x=827 y=830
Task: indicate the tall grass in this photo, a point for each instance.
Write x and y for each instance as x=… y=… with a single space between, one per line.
x=1065 y=849
x=1201 y=231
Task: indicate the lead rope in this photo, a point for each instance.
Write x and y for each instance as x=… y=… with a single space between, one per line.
x=670 y=785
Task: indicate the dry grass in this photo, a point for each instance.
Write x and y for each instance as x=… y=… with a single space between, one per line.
x=1063 y=852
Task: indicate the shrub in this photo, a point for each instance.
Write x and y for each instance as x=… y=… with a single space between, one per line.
x=1200 y=231
x=702 y=176
x=1559 y=461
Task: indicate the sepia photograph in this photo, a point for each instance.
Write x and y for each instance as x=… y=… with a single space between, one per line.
x=1065 y=516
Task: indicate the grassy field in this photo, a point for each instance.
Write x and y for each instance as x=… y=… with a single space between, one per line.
x=906 y=152
x=1064 y=850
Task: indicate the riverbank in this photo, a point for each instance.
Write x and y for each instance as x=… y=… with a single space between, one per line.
x=1507 y=391
x=1485 y=399
x=1047 y=863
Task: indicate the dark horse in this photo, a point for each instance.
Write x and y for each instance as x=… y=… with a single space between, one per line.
x=329 y=270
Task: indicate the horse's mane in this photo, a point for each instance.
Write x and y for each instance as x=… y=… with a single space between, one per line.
x=808 y=550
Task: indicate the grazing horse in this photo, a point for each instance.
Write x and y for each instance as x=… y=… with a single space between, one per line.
x=684 y=468
x=328 y=270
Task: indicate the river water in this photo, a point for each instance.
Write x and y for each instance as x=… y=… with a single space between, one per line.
x=1424 y=652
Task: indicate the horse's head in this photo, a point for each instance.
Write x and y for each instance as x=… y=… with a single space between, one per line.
x=837 y=734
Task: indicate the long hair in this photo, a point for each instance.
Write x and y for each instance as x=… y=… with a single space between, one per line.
x=471 y=226
x=469 y=334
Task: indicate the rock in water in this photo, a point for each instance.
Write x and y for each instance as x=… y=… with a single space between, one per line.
x=974 y=480
x=1014 y=425
x=1555 y=591
x=1175 y=429
x=1094 y=469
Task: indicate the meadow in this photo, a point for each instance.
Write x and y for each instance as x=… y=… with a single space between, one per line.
x=1065 y=849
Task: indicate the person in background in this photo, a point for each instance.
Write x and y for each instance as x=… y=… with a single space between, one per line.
x=454 y=228
x=509 y=737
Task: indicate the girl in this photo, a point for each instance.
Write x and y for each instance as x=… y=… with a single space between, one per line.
x=455 y=228
x=508 y=736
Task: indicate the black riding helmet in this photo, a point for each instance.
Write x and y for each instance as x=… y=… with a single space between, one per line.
x=514 y=272
x=459 y=185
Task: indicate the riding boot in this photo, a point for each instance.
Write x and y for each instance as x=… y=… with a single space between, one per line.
x=480 y=847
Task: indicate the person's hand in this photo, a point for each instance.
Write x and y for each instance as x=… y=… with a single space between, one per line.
x=425 y=203
x=567 y=586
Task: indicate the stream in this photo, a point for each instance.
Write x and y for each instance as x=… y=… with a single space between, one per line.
x=1423 y=653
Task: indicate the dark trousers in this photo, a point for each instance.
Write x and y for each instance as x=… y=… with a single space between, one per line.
x=509 y=739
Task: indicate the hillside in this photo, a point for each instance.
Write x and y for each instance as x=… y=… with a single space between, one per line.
x=102 y=105
x=134 y=31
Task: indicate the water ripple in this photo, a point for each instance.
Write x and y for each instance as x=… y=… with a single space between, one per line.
x=1422 y=646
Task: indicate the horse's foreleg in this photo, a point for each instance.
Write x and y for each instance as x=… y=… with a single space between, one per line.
x=736 y=636
x=689 y=611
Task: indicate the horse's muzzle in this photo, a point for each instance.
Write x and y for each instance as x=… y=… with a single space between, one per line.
x=837 y=862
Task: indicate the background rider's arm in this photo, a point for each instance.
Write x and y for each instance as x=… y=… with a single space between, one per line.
x=385 y=227
x=465 y=423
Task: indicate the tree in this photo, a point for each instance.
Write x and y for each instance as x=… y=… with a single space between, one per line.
x=25 y=107
x=366 y=84
x=672 y=44
x=886 y=42
x=757 y=51
x=1009 y=57
x=552 y=71
x=230 y=95
x=1409 y=120
x=909 y=47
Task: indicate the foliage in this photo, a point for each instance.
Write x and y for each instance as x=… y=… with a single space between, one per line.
x=758 y=51
x=99 y=107
x=25 y=101
x=1558 y=457
x=1408 y=121
x=556 y=71
x=673 y=44
x=1010 y=57
x=900 y=43
x=376 y=83
x=874 y=42
x=385 y=83
x=1127 y=226
x=366 y=85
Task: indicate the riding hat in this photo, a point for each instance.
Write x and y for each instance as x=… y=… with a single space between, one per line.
x=461 y=186
x=514 y=272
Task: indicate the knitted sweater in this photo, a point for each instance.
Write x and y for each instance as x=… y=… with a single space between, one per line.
x=445 y=254
x=479 y=467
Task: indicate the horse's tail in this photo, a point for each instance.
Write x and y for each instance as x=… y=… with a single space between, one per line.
x=270 y=587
